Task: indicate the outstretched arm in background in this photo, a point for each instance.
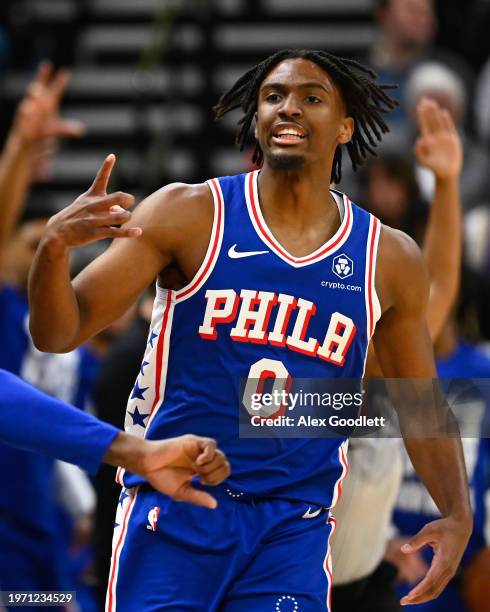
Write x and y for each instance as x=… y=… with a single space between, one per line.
x=36 y=125
x=33 y=421
x=439 y=149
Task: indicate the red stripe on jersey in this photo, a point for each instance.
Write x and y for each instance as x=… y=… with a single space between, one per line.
x=273 y=242
x=345 y=466
x=370 y=275
x=214 y=248
x=331 y=521
x=119 y=475
x=117 y=552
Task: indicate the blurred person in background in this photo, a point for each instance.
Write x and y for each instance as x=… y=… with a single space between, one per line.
x=482 y=95
x=457 y=361
x=392 y=194
x=30 y=540
x=405 y=36
x=446 y=86
x=477 y=259
x=442 y=83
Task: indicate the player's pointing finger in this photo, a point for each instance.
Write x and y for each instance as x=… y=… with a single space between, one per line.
x=99 y=186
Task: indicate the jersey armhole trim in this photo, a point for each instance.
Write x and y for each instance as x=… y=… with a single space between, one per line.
x=213 y=250
x=373 y=306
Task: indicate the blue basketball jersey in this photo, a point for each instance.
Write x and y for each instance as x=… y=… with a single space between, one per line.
x=254 y=311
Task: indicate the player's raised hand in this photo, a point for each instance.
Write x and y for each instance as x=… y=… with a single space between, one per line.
x=37 y=116
x=448 y=538
x=93 y=215
x=438 y=146
x=170 y=465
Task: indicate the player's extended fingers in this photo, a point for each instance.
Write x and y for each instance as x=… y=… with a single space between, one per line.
x=216 y=476
x=105 y=203
x=207 y=451
x=432 y=114
x=62 y=128
x=113 y=217
x=447 y=121
x=43 y=75
x=422 y=118
x=420 y=147
x=431 y=586
x=100 y=233
x=101 y=180
x=58 y=85
x=197 y=497
x=425 y=536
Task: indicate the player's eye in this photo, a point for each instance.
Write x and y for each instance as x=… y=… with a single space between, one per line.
x=313 y=99
x=272 y=97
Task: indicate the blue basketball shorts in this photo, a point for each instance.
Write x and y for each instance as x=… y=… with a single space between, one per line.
x=249 y=554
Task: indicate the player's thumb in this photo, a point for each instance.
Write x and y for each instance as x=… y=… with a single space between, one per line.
x=198 y=498
x=418 y=541
x=65 y=128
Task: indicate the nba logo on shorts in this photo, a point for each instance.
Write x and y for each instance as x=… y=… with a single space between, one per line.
x=343 y=266
x=153 y=518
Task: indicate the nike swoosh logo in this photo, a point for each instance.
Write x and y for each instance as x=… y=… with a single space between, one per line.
x=234 y=254
x=309 y=514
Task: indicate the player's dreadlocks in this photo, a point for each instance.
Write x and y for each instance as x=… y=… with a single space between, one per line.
x=364 y=100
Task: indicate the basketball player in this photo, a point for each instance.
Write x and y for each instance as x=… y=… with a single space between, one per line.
x=56 y=429
x=256 y=293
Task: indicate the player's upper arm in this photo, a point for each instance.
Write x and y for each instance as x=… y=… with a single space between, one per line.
x=401 y=339
x=107 y=287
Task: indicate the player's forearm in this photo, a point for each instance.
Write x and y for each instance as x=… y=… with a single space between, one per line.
x=439 y=462
x=33 y=421
x=442 y=252
x=126 y=451
x=54 y=311
x=14 y=183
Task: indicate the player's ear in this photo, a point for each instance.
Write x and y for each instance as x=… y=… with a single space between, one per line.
x=346 y=130
x=255 y=128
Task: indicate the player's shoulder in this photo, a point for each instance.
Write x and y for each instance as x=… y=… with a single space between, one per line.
x=401 y=272
x=176 y=204
x=397 y=246
x=182 y=197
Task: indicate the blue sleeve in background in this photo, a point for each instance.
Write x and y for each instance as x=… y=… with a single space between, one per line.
x=33 y=421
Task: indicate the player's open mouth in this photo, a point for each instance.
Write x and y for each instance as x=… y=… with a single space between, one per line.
x=287 y=135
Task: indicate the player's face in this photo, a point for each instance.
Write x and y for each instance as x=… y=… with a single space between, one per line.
x=300 y=115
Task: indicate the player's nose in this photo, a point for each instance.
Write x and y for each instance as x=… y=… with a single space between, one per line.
x=290 y=106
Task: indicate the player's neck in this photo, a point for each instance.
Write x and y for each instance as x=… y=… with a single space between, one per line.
x=295 y=196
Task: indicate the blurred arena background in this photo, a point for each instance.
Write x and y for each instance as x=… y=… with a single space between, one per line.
x=144 y=77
